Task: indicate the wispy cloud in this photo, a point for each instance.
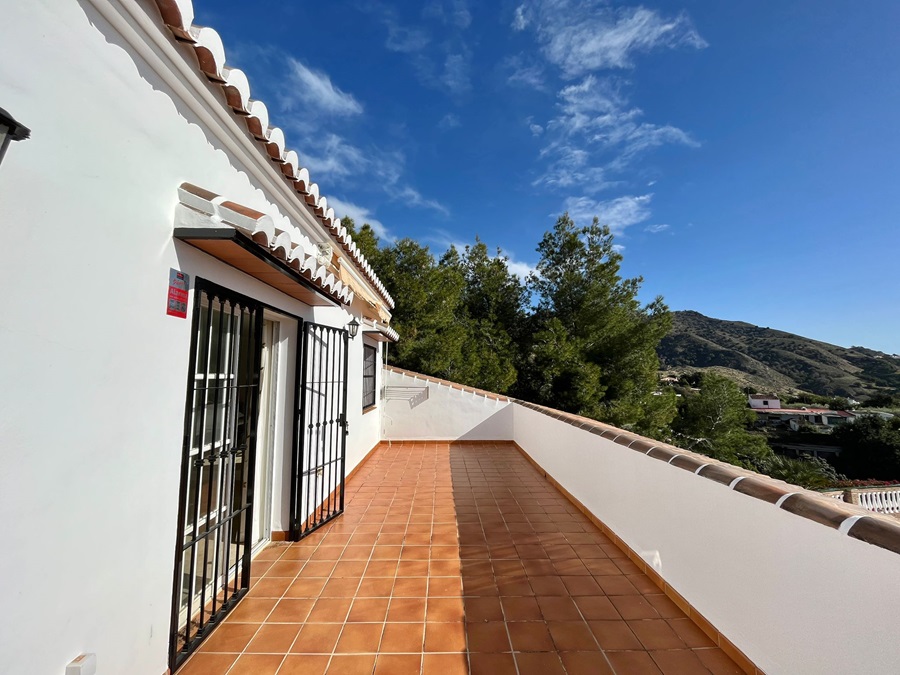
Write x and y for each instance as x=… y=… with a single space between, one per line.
x=523 y=71
x=400 y=37
x=414 y=198
x=405 y=39
x=313 y=92
x=452 y=12
x=360 y=215
x=619 y=213
x=584 y=36
x=443 y=240
x=596 y=134
x=655 y=229
x=519 y=268
x=448 y=121
x=455 y=76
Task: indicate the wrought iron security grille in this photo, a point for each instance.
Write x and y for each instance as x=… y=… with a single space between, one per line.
x=212 y=565
x=317 y=491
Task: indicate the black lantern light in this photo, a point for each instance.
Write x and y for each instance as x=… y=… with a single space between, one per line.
x=353 y=328
x=10 y=130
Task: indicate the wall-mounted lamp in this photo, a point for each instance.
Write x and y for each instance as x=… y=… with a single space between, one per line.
x=353 y=328
x=10 y=130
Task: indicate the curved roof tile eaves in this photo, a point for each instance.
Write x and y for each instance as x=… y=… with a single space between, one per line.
x=178 y=15
x=388 y=332
x=291 y=164
x=275 y=144
x=301 y=182
x=237 y=90
x=261 y=228
x=258 y=119
x=210 y=52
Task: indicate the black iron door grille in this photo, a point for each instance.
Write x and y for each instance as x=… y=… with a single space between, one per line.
x=212 y=563
x=317 y=490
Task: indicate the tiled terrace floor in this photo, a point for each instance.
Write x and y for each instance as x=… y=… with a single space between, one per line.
x=453 y=559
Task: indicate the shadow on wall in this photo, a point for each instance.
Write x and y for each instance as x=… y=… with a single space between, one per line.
x=444 y=419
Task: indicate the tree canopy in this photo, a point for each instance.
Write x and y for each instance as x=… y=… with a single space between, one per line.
x=573 y=335
x=870 y=448
x=714 y=422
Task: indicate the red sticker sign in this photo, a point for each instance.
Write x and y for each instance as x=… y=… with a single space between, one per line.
x=178 y=294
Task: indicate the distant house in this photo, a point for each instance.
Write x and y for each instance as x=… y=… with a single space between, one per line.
x=764 y=401
x=795 y=417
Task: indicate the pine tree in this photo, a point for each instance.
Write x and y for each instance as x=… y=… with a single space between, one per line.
x=607 y=330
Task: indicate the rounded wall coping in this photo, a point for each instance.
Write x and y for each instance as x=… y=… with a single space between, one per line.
x=448 y=383
x=859 y=523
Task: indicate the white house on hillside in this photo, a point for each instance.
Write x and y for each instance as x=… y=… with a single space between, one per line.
x=764 y=401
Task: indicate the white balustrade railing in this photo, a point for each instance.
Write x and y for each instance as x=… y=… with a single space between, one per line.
x=880 y=501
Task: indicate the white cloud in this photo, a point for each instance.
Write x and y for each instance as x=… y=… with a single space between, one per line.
x=360 y=215
x=520 y=18
x=596 y=134
x=456 y=74
x=414 y=198
x=523 y=71
x=619 y=213
x=519 y=268
x=405 y=39
x=583 y=36
x=535 y=129
x=654 y=229
x=572 y=166
x=335 y=157
x=452 y=12
x=448 y=121
x=313 y=92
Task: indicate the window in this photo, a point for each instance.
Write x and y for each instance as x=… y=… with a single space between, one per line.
x=369 y=361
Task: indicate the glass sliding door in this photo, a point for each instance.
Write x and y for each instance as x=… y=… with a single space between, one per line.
x=212 y=567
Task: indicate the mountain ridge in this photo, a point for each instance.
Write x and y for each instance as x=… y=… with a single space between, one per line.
x=776 y=360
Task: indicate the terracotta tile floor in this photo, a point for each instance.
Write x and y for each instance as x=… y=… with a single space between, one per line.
x=454 y=559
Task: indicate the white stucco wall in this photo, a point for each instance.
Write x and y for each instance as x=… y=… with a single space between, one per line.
x=796 y=596
x=447 y=413
x=94 y=373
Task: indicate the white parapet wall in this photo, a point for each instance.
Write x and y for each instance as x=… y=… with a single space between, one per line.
x=419 y=408
x=796 y=596
x=787 y=576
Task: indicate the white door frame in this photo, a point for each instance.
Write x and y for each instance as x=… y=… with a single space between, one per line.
x=266 y=432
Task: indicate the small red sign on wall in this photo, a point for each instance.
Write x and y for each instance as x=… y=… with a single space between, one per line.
x=178 y=294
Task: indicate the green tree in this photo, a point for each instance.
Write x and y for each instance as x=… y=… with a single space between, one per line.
x=870 y=448
x=579 y=286
x=809 y=472
x=714 y=422
x=429 y=302
x=554 y=372
x=365 y=239
x=494 y=302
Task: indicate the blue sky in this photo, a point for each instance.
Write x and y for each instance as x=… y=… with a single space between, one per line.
x=745 y=154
